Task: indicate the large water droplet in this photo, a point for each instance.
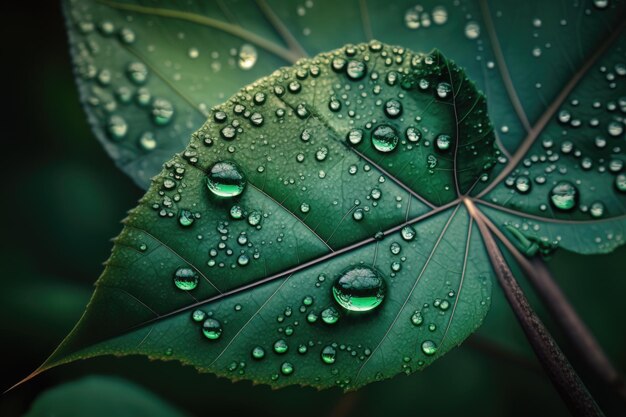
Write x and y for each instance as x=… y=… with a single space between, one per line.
x=280 y=346
x=408 y=233
x=385 y=138
x=359 y=289
x=212 y=329
x=564 y=196
x=185 y=279
x=393 y=108
x=226 y=179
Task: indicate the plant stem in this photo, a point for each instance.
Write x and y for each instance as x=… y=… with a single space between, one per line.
x=555 y=364
x=576 y=332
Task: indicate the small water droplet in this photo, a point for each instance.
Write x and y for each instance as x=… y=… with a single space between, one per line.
x=258 y=353
x=408 y=233
x=328 y=354
x=429 y=348
x=330 y=315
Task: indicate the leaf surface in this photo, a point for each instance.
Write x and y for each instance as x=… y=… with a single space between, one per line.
x=314 y=205
x=520 y=54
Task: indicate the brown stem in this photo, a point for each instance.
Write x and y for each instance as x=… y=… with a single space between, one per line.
x=569 y=322
x=555 y=364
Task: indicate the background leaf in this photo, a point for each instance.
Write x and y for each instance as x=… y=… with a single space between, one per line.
x=101 y=396
x=520 y=55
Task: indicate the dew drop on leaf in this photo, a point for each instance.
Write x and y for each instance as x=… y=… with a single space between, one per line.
x=385 y=138
x=564 y=196
x=429 y=348
x=328 y=354
x=359 y=289
x=185 y=279
x=226 y=179
x=330 y=315
x=212 y=329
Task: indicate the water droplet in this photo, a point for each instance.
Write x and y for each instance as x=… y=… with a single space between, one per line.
x=236 y=212
x=330 y=315
x=443 y=90
x=280 y=346
x=162 y=111
x=385 y=138
x=193 y=53
x=522 y=184
x=429 y=348
x=601 y=4
x=185 y=279
x=393 y=108
x=443 y=142
x=355 y=136
x=198 y=315
x=328 y=355
x=417 y=319
x=620 y=182
x=413 y=134
x=225 y=179
x=597 y=209
x=564 y=196
x=305 y=207
x=472 y=30
x=117 y=127
x=137 y=72
x=147 y=141
x=212 y=329
x=247 y=56
x=286 y=368
x=258 y=353
x=395 y=248
x=356 y=70
x=408 y=233
x=358 y=215
x=359 y=289
x=185 y=218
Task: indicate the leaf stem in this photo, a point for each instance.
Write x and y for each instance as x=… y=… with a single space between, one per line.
x=569 y=322
x=279 y=26
x=555 y=364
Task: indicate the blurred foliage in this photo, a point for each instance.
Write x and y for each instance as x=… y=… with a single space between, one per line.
x=64 y=202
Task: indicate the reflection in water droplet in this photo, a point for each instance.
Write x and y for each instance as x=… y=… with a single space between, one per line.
x=356 y=70
x=359 y=289
x=226 y=179
x=280 y=346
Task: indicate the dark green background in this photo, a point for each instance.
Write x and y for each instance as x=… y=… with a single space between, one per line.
x=62 y=200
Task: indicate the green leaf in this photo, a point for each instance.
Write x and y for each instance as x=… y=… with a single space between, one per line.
x=520 y=54
x=101 y=396
x=314 y=205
